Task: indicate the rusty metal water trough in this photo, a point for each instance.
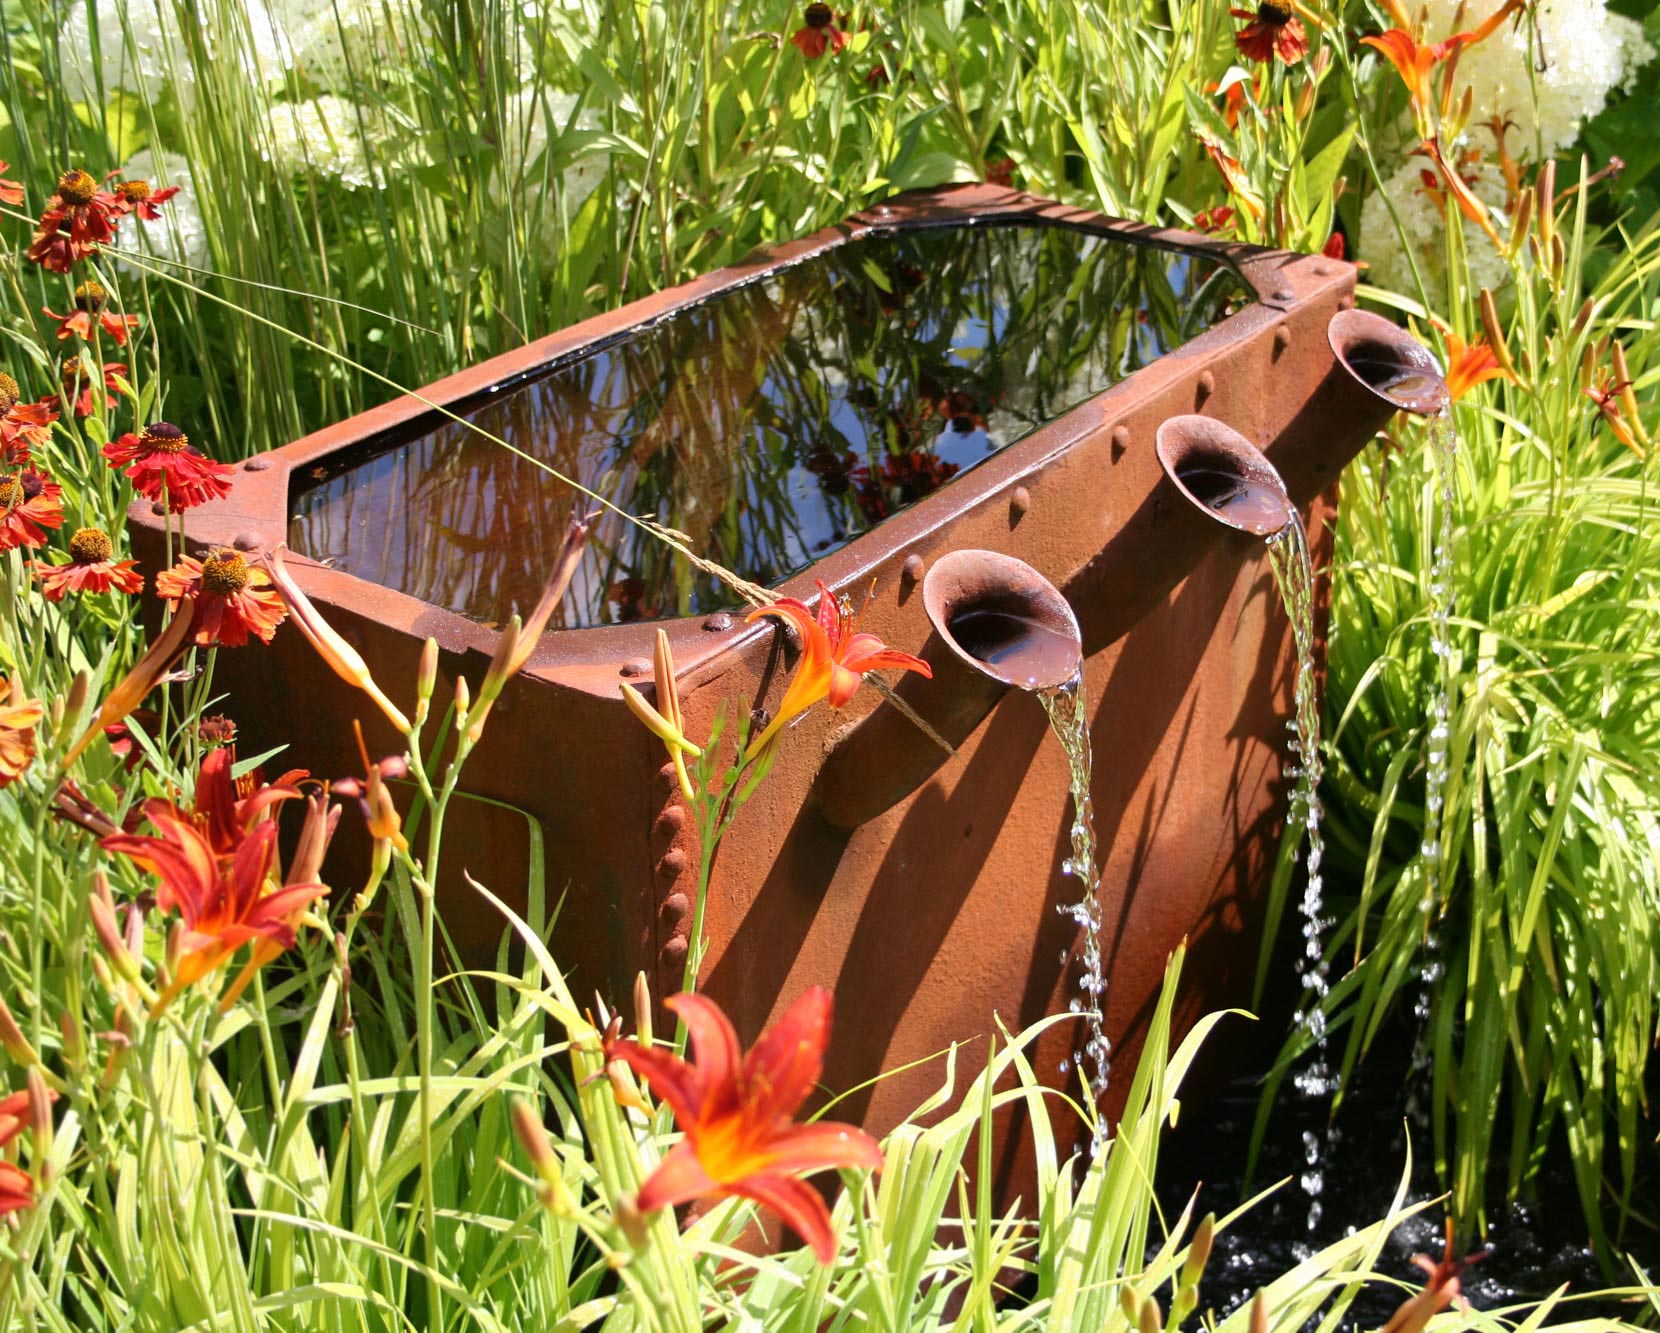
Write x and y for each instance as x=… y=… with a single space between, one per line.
x=921 y=887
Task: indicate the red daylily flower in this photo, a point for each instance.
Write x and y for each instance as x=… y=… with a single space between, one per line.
x=820 y=33
x=18 y=720
x=79 y=377
x=78 y=219
x=161 y=463
x=141 y=199
x=1214 y=220
x=24 y=427
x=92 y=567
x=232 y=599
x=834 y=659
x=30 y=502
x=10 y=191
x=90 y=302
x=1335 y=247
x=737 y=1115
x=1274 y=30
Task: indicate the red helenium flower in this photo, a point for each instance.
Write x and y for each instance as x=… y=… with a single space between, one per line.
x=820 y=33
x=78 y=378
x=232 y=598
x=78 y=219
x=10 y=191
x=92 y=567
x=18 y=719
x=139 y=198
x=1274 y=30
x=30 y=502
x=161 y=463
x=90 y=302
x=834 y=658
x=24 y=427
x=737 y=1115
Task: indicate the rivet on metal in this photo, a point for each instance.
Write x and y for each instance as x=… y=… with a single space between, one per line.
x=1324 y=270
x=246 y=541
x=1282 y=339
x=157 y=507
x=672 y=865
x=673 y=953
x=1120 y=441
x=1207 y=386
x=256 y=465
x=912 y=569
x=719 y=622
x=670 y=822
x=668 y=779
x=674 y=909
x=1346 y=302
x=1285 y=294
x=635 y=666
x=1020 y=500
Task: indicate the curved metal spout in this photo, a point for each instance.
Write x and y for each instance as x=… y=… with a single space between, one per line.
x=1223 y=475
x=1388 y=361
x=997 y=623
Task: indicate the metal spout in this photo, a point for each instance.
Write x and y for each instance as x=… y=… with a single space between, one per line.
x=1223 y=475
x=997 y=623
x=1388 y=362
x=1003 y=619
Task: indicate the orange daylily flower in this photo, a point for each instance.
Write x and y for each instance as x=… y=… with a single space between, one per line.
x=1440 y=1290
x=737 y=1115
x=18 y=719
x=1460 y=190
x=833 y=661
x=32 y=1107
x=1414 y=60
x=1468 y=366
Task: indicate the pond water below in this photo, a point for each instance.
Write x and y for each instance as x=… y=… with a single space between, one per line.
x=1536 y=1245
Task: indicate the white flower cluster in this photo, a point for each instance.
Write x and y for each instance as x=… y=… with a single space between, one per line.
x=1587 y=53
x=1422 y=221
x=179 y=234
x=324 y=136
x=533 y=118
x=338 y=44
x=141 y=48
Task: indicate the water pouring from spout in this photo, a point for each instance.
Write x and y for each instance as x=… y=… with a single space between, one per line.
x=1008 y=622
x=1388 y=361
x=1226 y=477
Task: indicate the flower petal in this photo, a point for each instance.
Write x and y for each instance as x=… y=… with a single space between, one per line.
x=784 y=1065
x=671 y=1078
x=679 y=1178
x=714 y=1044
x=803 y=1211
x=803 y=1149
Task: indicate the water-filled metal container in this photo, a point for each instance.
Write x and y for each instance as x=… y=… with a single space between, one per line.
x=965 y=368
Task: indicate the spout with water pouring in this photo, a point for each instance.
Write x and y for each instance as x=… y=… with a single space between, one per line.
x=1388 y=362
x=997 y=624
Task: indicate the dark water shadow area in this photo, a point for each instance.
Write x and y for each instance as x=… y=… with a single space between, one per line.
x=1536 y=1245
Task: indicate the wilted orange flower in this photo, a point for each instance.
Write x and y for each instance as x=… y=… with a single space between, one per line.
x=141 y=199
x=1274 y=30
x=18 y=719
x=1459 y=189
x=820 y=33
x=1236 y=179
x=78 y=219
x=78 y=379
x=1213 y=220
x=162 y=464
x=1233 y=100
x=737 y=1115
x=24 y=427
x=30 y=502
x=834 y=658
x=1468 y=366
x=10 y=191
x=664 y=720
x=1607 y=396
x=90 y=302
x=232 y=599
x=92 y=567
x=1442 y=1288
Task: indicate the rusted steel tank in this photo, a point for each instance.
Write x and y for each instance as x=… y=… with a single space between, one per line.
x=923 y=888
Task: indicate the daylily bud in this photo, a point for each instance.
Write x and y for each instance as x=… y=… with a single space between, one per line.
x=642 y=1009
x=1198 y=1250
x=1545 y=204
x=342 y=658
x=633 y=1223
x=73 y=1051
x=1129 y=1303
x=1558 y=255
x=138 y=682
x=1495 y=333
x=533 y=1138
x=1151 y=1321
x=463 y=700
x=1587 y=367
x=40 y=1112
x=564 y=569
x=1520 y=223
x=1259 y=1314
x=426 y=679
x=12 y=1038
x=120 y=1043
x=101 y=907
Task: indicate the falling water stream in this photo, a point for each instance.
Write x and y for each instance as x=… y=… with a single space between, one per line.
x=1294 y=573
x=1068 y=709
x=1443 y=437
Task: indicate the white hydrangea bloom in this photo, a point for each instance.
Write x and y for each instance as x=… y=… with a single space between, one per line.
x=337 y=43
x=323 y=136
x=1425 y=228
x=180 y=234
x=140 y=47
x=530 y=119
x=1588 y=53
